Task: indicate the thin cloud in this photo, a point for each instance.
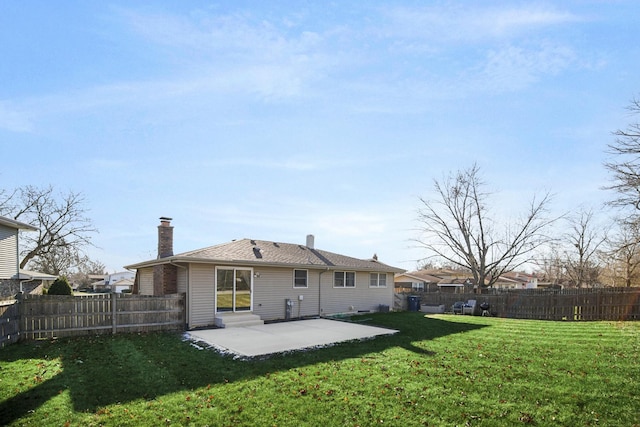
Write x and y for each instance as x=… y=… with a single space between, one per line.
x=14 y=120
x=515 y=67
x=471 y=24
x=292 y=163
x=261 y=56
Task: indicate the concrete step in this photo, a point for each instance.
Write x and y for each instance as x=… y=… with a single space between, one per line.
x=237 y=320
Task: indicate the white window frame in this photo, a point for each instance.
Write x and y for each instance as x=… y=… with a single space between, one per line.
x=344 y=279
x=377 y=280
x=235 y=269
x=306 y=279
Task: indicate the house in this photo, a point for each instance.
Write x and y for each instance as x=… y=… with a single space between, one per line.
x=263 y=280
x=110 y=279
x=456 y=285
x=434 y=280
x=517 y=280
x=460 y=281
x=419 y=280
x=122 y=285
x=119 y=282
x=12 y=278
x=43 y=279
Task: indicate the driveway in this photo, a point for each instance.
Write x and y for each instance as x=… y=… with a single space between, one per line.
x=261 y=340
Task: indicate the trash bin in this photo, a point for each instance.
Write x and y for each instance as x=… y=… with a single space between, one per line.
x=414 y=302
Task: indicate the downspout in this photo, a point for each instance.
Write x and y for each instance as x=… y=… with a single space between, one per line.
x=187 y=296
x=25 y=281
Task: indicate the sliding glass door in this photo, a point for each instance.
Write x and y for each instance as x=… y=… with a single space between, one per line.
x=233 y=289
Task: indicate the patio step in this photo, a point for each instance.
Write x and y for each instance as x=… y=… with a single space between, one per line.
x=236 y=320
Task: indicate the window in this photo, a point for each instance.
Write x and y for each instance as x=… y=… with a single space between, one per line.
x=300 y=279
x=378 y=280
x=417 y=286
x=344 y=279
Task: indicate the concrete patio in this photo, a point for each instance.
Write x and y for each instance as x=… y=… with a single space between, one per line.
x=261 y=340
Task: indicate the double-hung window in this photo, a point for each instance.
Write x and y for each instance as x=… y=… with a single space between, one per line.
x=344 y=279
x=378 y=280
x=300 y=279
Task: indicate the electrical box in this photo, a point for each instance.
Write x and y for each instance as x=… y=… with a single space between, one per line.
x=288 y=308
x=300 y=297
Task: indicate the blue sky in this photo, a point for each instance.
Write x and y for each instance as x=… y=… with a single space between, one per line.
x=274 y=120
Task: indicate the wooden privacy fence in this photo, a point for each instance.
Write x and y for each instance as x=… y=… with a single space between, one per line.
x=48 y=316
x=9 y=323
x=543 y=304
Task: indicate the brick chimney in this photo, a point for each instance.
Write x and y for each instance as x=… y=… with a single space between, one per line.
x=165 y=238
x=165 y=275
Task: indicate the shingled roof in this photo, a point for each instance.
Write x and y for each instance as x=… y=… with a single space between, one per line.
x=262 y=252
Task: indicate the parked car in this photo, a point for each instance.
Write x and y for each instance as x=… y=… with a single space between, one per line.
x=457 y=307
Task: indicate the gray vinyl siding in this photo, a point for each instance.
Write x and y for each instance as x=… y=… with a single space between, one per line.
x=360 y=298
x=202 y=295
x=275 y=285
x=182 y=278
x=146 y=281
x=8 y=252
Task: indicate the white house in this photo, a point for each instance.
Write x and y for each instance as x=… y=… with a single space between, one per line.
x=12 y=278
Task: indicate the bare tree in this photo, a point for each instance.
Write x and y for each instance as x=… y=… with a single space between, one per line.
x=59 y=262
x=625 y=167
x=552 y=266
x=624 y=254
x=84 y=268
x=456 y=226
x=585 y=241
x=64 y=228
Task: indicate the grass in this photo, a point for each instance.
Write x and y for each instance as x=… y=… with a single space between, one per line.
x=439 y=370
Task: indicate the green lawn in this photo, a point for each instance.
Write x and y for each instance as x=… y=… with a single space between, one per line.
x=439 y=370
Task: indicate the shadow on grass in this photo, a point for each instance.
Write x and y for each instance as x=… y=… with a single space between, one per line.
x=103 y=370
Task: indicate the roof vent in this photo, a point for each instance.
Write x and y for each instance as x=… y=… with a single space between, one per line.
x=310 y=241
x=257 y=252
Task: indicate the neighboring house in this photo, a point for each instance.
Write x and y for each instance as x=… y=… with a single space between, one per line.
x=118 y=282
x=12 y=278
x=123 y=285
x=419 y=280
x=270 y=280
x=42 y=278
x=517 y=280
x=433 y=280
x=459 y=281
x=456 y=286
x=110 y=279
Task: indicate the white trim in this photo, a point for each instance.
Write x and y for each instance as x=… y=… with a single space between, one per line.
x=215 y=287
x=344 y=272
x=306 y=286
x=378 y=286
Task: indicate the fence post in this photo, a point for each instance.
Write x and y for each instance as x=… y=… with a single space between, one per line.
x=20 y=314
x=114 y=320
